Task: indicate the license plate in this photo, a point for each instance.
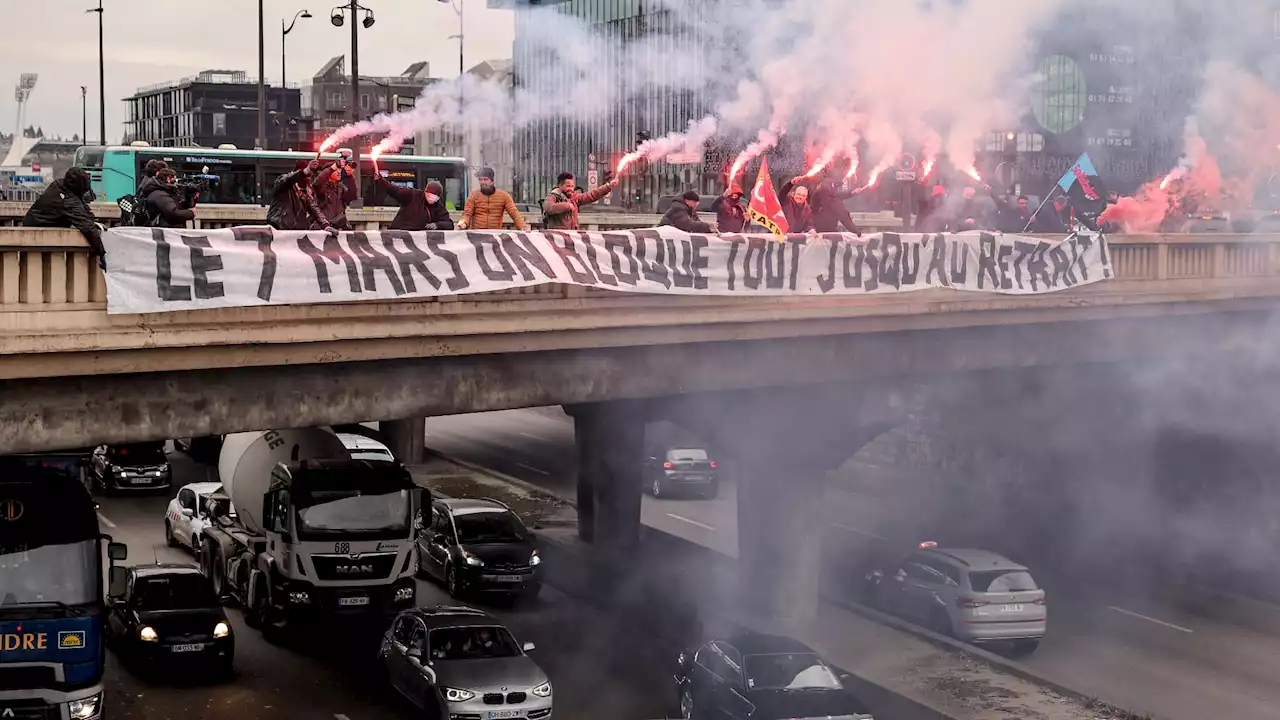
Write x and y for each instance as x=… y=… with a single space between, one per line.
x=1011 y=608
x=693 y=478
x=508 y=579
x=194 y=647
x=139 y=481
x=498 y=714
x=353 y=601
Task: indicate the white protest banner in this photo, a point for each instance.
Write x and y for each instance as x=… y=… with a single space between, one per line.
x=157 y=270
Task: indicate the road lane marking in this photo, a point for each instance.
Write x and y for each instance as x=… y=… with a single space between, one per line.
x=691 y=522
x=1140 y=616
x=532 y=468
x=103 y=519
x=842 y=526
x=340 y=716
x=531 y=436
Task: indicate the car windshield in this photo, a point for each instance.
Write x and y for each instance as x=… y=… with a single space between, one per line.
x=789 y=671
x=490 y=526
x=187 y=591
x=1001 y=581
x=686 y=455
x=137 y=454
x=350 y=509
x=472 y=643
x=65 y=574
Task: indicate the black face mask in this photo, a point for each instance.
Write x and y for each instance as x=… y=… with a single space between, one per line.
x=489 y=190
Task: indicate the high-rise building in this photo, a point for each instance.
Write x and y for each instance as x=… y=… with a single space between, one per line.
x=215 y=107
x=328 y=97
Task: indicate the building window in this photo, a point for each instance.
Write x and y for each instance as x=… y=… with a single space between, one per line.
x=1058 y=100
x=219 y=124
x=337 y=100
x=364 y=101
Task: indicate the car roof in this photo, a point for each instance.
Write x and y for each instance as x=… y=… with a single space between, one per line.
x=754 y=643
x=452 y=616
x=203 y=488
x=161 y=569
x=351 y=441
x=974 y=559
x=466 y=506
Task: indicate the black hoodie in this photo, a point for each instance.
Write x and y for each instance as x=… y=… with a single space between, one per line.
x=62 y=205
x=163 y=205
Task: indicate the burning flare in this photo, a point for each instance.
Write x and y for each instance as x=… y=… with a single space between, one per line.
x=324 y=146
x=628 y=159
x=823 y=161
x=853 y=164
x=926 y=169
x=972 y=172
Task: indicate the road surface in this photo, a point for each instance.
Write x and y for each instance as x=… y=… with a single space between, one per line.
x=1128 y=647
x=598 y=667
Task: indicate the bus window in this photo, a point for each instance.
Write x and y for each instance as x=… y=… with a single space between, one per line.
x=227 y=180
x=399 y=174
x=89 y=157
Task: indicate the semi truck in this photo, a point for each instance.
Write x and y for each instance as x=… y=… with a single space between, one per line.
x=52 y=599
x=314 y=533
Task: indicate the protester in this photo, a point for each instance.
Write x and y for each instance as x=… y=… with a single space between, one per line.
x=683 y=215
x=560 y=208
x=334 y=189
x=423 y=210
x=1054 y=220
x=796 y=206
x=62 y=205
x=487 y=204
x=293 y=206
x=1012 y=218
x=149 y=172
x=968 y=213
x=730 y=216
x=164 y=205
x=829 y=212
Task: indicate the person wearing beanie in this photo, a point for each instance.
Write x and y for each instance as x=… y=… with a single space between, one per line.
x=62 y=205
x=683 y=215
x=423 y=210
x=293 y=207
x=487 y=204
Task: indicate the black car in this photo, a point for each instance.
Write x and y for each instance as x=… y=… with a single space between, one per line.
x=682 y=471
x=762 y=677
x=478 y=545
x=164 y=613
x=136 y=466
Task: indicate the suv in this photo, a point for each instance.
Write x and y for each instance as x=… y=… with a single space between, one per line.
x=478 y=545
x=458 y=662
x=974 y=595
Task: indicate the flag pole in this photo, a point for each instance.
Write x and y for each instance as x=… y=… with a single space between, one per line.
x=1042 y=204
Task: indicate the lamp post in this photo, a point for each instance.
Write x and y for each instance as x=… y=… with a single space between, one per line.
x=284 y=33
x=84 y=115
x=102 y=81
x=460 y=37
x=336 y=17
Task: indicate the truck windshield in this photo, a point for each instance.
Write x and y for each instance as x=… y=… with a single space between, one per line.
x=64 y=574
x=353 y=510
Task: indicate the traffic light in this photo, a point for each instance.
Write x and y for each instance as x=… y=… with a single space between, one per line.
x=641 y=137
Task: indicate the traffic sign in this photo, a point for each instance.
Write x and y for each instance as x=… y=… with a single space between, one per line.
x=593 y=178
x=905 y=175
x=907 y=163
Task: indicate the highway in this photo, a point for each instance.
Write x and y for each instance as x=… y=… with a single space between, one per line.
x=598 y=666
x=1126 y=645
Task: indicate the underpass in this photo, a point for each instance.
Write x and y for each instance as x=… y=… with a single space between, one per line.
x=1129 y=645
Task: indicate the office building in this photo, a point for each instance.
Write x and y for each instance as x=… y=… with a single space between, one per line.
x=328 y=98
x=215 y=107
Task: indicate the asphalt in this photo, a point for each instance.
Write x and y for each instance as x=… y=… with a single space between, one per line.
x=599 y=666
x=1126 y=643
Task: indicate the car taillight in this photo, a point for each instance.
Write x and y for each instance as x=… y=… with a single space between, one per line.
x=1040 y=601
x=966 y=603
x=712 y=464
x=124 y=451
x=668 y=465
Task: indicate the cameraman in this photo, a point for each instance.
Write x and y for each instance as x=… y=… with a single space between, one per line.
x=165 y=204
x=334 y=189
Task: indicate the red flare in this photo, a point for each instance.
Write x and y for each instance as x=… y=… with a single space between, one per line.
x=926 y=169
x=739 y=164
x=853 y=167
x=973 y=173
x=627 y=160
x=821 y=164
x=1168 y=179
x=875 y=175
x=325 y=145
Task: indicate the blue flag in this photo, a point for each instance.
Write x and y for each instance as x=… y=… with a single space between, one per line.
x=1069 y=177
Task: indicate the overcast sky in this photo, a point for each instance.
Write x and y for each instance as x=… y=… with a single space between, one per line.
x=153 y=41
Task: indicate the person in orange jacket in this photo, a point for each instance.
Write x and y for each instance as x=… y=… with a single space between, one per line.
x=487 y=204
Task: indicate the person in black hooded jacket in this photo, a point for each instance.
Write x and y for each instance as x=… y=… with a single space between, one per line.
x=418 y=210
x=62 y=205
x=683 y=215
x=829 y=212
x=163 y=203
x=293 y=206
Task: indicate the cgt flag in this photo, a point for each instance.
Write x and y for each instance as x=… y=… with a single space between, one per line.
x=764 y=209
x=1084 y=188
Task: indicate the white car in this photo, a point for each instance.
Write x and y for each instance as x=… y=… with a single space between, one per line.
x=365 y=448
x=187 y=514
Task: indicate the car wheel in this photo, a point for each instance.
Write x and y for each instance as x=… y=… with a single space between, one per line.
x=451 y=582
x=227 y=670
x=711 y=492
x=656 y=488
x=168 y=535
x=686 y=702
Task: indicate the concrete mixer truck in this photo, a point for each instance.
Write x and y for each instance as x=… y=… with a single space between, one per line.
x=314 y=533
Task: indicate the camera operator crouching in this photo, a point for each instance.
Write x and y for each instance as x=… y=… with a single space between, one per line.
x=168 y=204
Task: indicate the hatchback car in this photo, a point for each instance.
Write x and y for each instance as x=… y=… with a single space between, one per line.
x=682 y=471
x=461 y=663
x=137 y=466
x=188 y=513
x=478 y=545
x=761 y=677
x=164 y=613
x=974 y=595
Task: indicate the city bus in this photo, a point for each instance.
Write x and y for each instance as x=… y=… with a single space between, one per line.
x=231 y=174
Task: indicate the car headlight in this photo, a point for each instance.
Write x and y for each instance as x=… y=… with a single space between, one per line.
x=147 y=634
x=404 y=593
x=84 y=709
x=221 y=630
x=534 y=559
x=472 y=560
x=456 y=695
x=543 y=690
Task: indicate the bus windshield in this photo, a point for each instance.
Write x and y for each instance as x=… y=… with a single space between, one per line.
x=89 y=157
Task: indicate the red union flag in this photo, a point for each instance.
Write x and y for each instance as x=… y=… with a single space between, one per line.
x=765 y=210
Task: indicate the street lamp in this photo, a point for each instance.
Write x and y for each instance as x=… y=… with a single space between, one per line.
x=102 y=81
x=336 y=17
x=458 y=8
x=284 y=33
x=84 y=115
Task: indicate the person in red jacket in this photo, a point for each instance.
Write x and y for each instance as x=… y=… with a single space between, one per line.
x=730 y=217
x=560 y=209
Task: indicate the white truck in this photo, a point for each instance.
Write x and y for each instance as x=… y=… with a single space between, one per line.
x=314 y=533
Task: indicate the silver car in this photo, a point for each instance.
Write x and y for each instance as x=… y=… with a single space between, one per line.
x=973 y=595
x=460 y=663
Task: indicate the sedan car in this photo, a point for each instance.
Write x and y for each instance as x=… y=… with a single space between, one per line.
x=761 y=677
x=460 y=663
x=137 y=466
x=682 y=471
x=973 y=595
x=188 y=513
x=478 y=546
x=166 y=613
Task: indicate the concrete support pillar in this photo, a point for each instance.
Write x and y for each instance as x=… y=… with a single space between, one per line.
x=610 y=444
x=406 y=439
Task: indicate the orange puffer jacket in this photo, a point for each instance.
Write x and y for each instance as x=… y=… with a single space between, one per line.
x=484 y=212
